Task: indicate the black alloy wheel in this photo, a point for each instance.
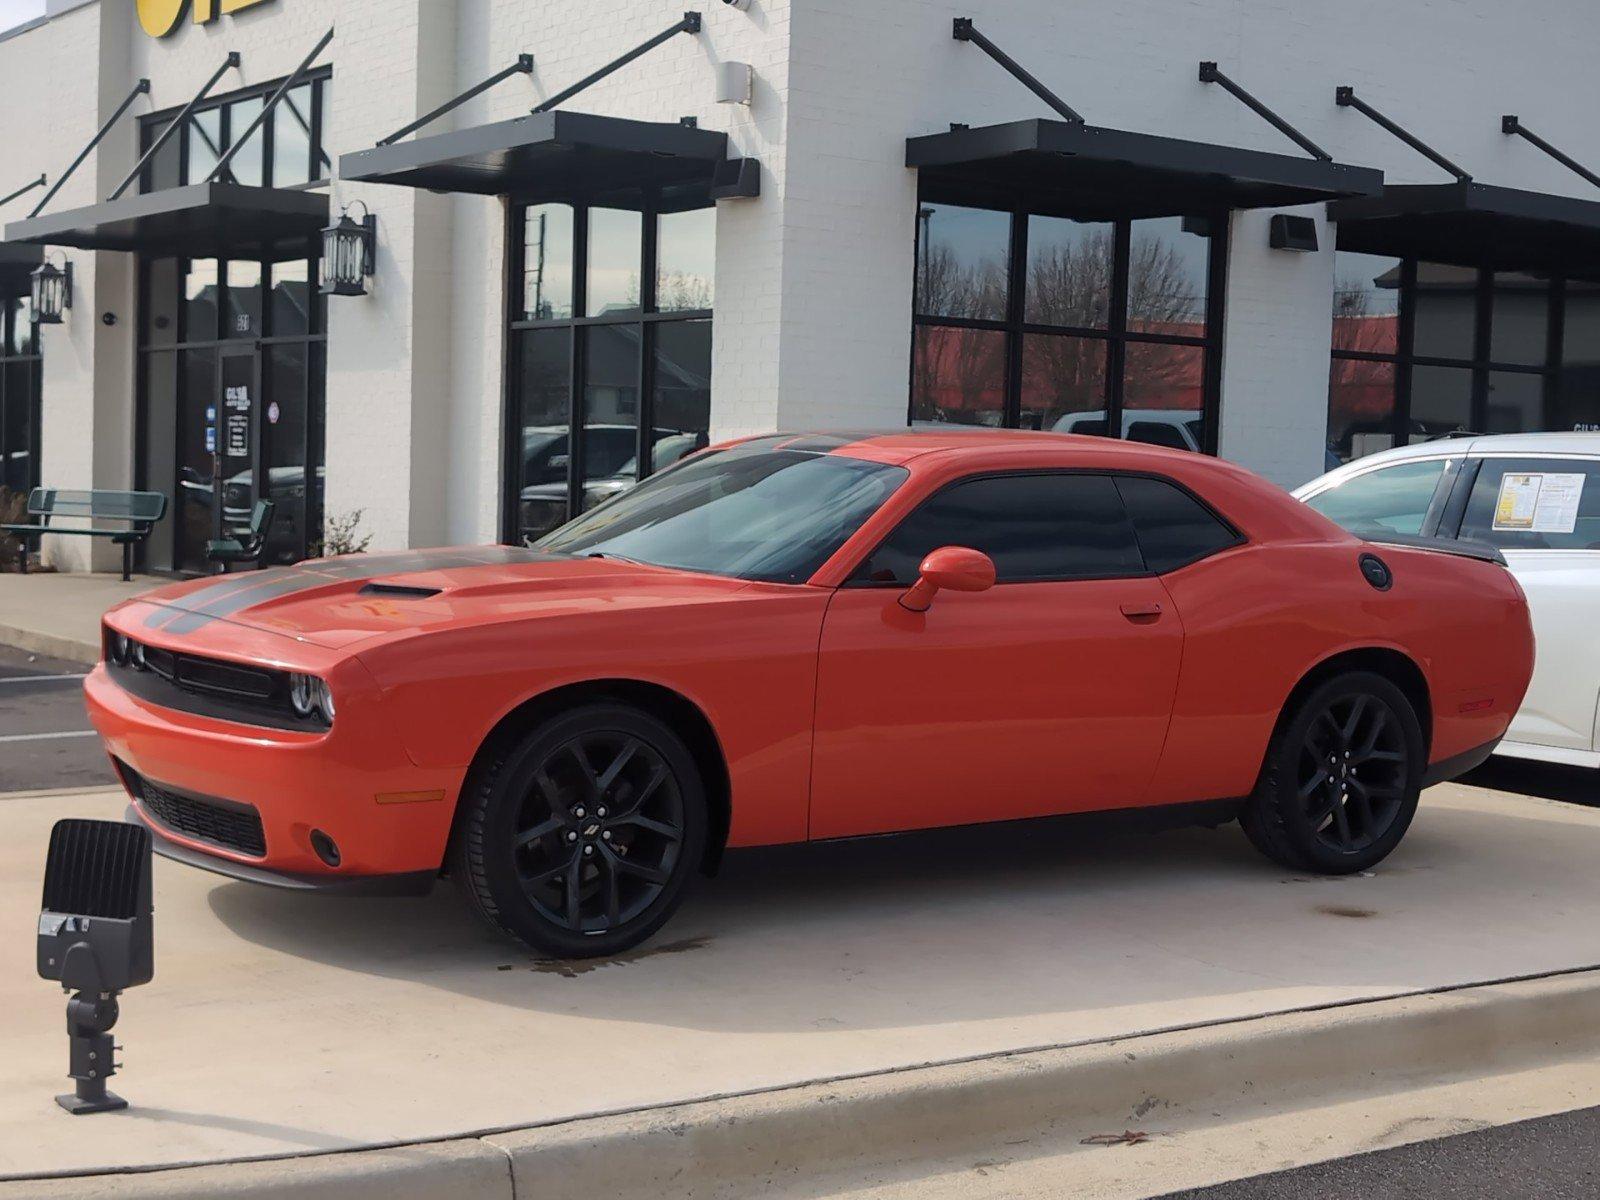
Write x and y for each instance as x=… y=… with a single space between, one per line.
x=1340 y=784
x=1352 y=772
x=580 y=839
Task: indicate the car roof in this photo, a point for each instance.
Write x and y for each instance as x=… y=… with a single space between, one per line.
x=1564 y=442
x=903 y=445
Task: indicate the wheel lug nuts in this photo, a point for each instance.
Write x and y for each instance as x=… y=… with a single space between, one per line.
x=606 y=834
x=600 y=812
x=572 y=837
x=578 y=812
x=587 y=850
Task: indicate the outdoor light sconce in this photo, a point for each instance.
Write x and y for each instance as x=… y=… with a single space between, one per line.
x=734 y=83
x=52 y=291
x=348 y=250
x=96 y=937
x=1286 y=232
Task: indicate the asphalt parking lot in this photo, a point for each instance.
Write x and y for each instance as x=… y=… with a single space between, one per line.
x=45 y=737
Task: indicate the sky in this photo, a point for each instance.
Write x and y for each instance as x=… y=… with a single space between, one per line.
x=15 y=12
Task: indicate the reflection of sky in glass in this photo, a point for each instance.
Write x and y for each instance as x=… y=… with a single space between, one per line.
x=547 y=263
x=616 y=245
x=1167 y=269
x=1069 y=272
x=1365 y=285
x=686 y=251
x=961 y=261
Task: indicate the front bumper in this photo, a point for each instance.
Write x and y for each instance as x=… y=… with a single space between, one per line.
x=354 y=784
x=414 y=883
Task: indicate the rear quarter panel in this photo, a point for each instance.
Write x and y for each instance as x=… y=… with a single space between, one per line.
x=1259 y=618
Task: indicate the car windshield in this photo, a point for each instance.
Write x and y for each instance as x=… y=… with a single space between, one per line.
x=752 y=511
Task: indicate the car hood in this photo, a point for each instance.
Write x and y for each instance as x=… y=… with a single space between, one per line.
x=338 y=602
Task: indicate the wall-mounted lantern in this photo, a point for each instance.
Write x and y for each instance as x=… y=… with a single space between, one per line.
x=348 y=250
x=52 y=291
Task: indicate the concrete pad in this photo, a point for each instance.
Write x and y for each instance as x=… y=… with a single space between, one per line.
x=284 y=1024
x=59 y=613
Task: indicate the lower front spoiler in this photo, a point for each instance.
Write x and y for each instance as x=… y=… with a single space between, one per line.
x=414 y=883
x=1458 y=764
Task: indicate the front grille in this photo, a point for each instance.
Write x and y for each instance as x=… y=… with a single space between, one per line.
x=225 y=823
x=209 y=687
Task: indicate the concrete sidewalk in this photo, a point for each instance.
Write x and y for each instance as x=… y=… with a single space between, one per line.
x=59 y=614
x=287 y=1025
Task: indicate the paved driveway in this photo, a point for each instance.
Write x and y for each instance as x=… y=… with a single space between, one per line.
x=45 y=738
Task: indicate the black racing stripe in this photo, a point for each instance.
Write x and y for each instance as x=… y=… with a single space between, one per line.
x=224 y=600
x=824 y=443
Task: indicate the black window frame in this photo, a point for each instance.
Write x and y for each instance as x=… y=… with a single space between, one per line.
x=856 y=580
x=13 y=310
x=646 y=318
x=318 y=78
x=1116 y=336
x=1404 y=360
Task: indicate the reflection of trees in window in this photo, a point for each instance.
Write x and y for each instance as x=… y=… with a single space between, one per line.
x=950 y=287
x=679 y=291
x=1069 y=283
x=1164 y=375
x=1161 y=294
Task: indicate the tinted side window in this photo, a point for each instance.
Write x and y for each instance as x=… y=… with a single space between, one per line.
x=1535 y=504
x=1389 y=500
x=1033 y=526
x=1174 y=528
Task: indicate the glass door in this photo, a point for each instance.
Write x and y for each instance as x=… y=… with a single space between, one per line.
x=219 y=441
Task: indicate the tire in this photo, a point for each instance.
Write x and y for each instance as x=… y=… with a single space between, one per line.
x=592 y=885
x=1341 y=779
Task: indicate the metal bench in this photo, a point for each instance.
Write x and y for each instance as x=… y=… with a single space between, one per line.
x=247 y=542
x=138 y=512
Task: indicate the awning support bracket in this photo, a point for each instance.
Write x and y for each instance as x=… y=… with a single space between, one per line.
x=965 y=31
x=1509 y=124
x=24 y=189
x=295 y=77
x=1210 y=74
x=689 y=24
x=142 y=88
x=177 y=123
x=523 y=66
x=1345 y=97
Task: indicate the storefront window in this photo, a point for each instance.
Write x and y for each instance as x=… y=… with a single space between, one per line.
x=686 y=253
x=547 y=263
x=961 y=262
x=602 y=399
x=1424 y=349
x=232 y=362
x=284 y=151
x=1114 y=334
x=20 y=379
x=616 y=247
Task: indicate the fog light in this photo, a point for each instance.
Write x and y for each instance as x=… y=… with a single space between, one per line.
x=327 y=850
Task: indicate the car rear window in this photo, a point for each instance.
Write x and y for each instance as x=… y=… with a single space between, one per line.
x=1392 y=499
x=1535 y=504
x=1174 y=528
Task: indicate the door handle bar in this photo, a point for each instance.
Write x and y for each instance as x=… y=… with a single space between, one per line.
x=1149 y=608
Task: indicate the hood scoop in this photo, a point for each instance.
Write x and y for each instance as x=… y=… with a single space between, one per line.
x=398 y=591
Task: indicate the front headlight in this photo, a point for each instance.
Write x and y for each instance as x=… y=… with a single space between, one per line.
x=308 y=694
x=121 y=648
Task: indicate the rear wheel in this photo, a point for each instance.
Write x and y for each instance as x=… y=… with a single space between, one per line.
x=1342 y=778
x=579 y=839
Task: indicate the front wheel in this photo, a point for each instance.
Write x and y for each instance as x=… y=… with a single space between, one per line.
x=1342 y=777
x=579 y=839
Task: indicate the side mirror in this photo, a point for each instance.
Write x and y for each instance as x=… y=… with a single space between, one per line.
x=958 y=568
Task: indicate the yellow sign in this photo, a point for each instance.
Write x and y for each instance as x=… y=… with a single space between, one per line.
x=159 y=18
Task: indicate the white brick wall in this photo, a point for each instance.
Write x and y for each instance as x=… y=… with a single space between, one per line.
x=814 y=278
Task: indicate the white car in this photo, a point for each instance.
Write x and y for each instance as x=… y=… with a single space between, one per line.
x=1534 y=496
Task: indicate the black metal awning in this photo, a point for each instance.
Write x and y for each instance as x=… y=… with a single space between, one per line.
x=202 y=220
x=1069 y=168
x=566 y=156
x=17 y=262
x=1474 y=224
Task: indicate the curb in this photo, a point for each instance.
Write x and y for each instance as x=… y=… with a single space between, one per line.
x=903 y=1123
x=67 y=649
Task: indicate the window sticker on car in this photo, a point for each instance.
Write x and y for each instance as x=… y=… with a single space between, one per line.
x=1539 y=503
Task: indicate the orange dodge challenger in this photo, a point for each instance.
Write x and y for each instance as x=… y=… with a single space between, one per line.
x=797 y=637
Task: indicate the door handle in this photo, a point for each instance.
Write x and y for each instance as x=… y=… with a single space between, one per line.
x=1144 y=610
